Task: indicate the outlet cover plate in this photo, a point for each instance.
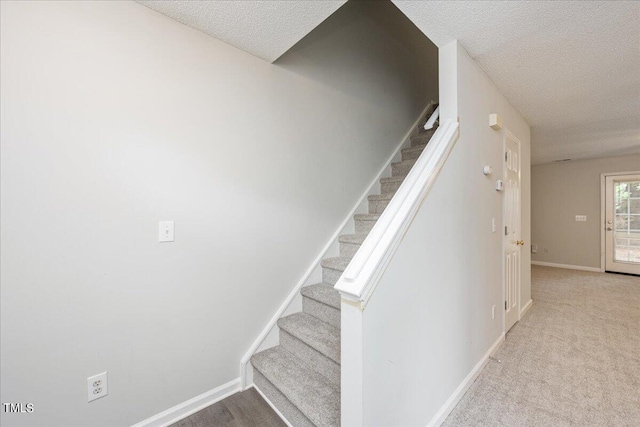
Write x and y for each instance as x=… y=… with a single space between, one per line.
x=97 y=387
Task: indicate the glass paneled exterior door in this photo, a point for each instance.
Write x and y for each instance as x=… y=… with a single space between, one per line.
x=622 y=224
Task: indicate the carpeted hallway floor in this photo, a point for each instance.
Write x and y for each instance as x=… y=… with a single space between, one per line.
x=573 y=360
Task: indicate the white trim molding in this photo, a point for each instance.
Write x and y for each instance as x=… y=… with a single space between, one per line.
x=276 y=410
x=567 y=266
x=361 y=276
x=453 y=400
x=191 y=406
x=526 y=308
x=244 y=376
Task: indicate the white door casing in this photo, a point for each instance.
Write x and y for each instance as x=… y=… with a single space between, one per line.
x=512 y=208
x=622 y=223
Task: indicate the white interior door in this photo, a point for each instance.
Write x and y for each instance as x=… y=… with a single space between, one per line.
x=512 y=244
x=622 y=224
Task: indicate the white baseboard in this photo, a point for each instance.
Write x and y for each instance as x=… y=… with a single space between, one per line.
x=526 y=308
x=567 y=266
x=453 y=400
x=276 y=410
x=316 y=262
x=191 y=406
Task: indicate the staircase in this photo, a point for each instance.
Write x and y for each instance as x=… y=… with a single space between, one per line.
x=301 y=376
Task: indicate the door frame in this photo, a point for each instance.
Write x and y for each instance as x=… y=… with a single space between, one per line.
x=511 y=135
x=603 y=213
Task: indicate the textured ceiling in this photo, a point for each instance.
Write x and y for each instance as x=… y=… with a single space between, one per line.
x=572 y=68
x=266 y=29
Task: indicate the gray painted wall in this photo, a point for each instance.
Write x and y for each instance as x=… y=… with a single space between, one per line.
x=559 y=192
x=115 y=117
x=429 y=321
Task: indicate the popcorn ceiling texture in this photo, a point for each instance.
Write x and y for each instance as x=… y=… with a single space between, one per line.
x=572 y=68
x=266 y=29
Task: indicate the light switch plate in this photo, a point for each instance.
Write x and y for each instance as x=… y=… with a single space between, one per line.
x=165 y=231
x=581 y=217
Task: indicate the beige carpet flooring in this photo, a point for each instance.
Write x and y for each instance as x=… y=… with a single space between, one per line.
x=573 y=360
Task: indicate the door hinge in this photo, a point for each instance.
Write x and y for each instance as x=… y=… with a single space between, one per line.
x=506 y=232
x=505 y=305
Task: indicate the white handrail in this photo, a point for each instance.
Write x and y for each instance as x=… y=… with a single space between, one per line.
x=365 y=269
x=432 y=120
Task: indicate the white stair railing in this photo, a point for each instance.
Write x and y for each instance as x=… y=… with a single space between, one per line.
x=367 y=266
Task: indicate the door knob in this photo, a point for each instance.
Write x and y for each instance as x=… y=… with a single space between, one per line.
x=520 y=242
x=609 y=228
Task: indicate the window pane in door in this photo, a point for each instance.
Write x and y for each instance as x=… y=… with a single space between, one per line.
x=626 y=224
x=634 y=249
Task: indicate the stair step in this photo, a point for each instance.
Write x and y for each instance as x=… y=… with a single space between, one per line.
x=314 y=332
x=279 y=400
x=391 y=187
x=412 y=153
x=379 y=197
x=350 y=243
x=332 y=269
x=314 y=342
x=391 y=179
x=322 y=302
x=379 y=202
x=335 y=263
x=309 y=391
x=365 y=222
x=422 y=137
x=323 y=293
x=391 y=184
x=402 y=168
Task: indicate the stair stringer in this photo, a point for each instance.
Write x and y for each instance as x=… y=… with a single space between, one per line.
x=269 y=337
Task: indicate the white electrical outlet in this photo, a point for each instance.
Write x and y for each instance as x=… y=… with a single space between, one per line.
x=493 y=312
x=97 y=386
x=165 y=231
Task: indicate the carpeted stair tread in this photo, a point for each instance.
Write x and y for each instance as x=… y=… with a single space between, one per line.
x=336 y=263
x=356 y=239
x=415 y=148
x=392 y=179
x=422 y=137
x=308 y=390
x=314 y=332
x=366 y=217
x=383 y=196
x=323 y=293
x=409 y=163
